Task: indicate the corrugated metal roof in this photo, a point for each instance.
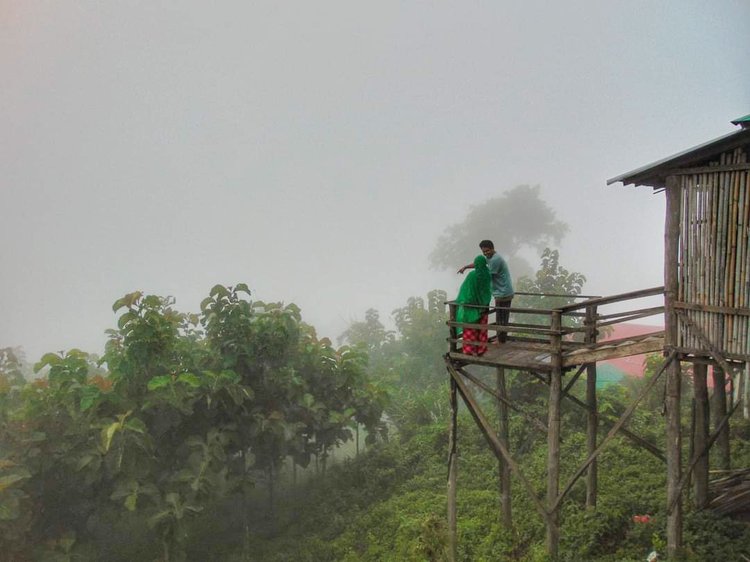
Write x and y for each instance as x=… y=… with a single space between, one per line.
x=654 y=174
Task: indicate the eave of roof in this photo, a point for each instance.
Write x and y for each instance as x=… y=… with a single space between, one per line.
x=655 y=174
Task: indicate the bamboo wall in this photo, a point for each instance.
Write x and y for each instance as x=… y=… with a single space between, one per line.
x=714 y=256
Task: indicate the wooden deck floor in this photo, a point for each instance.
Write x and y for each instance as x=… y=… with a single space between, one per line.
x=538 y=356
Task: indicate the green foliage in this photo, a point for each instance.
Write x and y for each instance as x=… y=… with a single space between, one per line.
x=550 y=279
x=710 y=537
x=173 y=447
x=191 y=409
x=411 y=357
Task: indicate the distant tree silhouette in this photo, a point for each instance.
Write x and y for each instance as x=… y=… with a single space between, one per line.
x=517 y=219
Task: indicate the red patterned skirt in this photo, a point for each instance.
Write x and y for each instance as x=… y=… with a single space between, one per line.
x=475 y=341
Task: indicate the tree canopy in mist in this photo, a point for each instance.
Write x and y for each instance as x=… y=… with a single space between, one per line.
x=516 y=220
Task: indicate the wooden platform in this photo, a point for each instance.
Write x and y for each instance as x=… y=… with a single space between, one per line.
x=524 y=355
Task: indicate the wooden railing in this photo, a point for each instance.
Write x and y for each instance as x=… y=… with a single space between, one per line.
x=564 y=328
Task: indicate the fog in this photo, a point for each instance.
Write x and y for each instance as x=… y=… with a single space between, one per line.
x=316 y=150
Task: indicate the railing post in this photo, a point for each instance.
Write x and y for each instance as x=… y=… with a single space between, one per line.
x=452 y=308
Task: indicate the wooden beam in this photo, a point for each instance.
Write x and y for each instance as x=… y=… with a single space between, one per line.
x=613 y=431
x=452 y=309
x=653 y=291
x=497 y=447
x=605 y=352
x=592 y=430
x=711 y=308
x=630 y=317
x=673 y=194
x=698 y=333
x=719 y=412
x=503 y=328
x=574 y=378
x=708 y=169
x=452 y=475
x=704 y=355
x=502 y=399
x=700 y=438
x=640 y=441
x=626 y=314
x=704 y=451
x=553 y=440
x=503 y=434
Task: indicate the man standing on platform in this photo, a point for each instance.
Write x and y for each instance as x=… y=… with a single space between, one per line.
x=502 y=285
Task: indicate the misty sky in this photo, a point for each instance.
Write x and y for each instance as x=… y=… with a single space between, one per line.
x=316 y=150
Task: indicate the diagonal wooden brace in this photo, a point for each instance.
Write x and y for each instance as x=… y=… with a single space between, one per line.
x=638 y=440
x=497 y=447
x=612 y=432
x=698 y=333
x=699 y=454
x=481 y=384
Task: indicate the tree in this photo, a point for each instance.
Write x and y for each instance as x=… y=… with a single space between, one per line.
x=370 y=333
x=516 y=220
x=555 y=285
x=191 y=409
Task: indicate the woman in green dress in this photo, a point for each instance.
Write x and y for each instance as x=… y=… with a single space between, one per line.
x=475 y=291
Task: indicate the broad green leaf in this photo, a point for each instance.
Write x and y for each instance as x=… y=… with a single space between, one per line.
x=219 y=290
x=125 y=318
x=137 y=425
x=231 y=376
x=89 y=396
x=128 y=300
x=242 y=287
x=189 y=379
x=47 y=359
x=159 y=382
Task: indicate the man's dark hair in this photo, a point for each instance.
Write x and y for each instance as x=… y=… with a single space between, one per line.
x=487 y=244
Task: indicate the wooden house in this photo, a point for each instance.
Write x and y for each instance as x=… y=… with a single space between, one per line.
x=707 y=296
x=706 y=308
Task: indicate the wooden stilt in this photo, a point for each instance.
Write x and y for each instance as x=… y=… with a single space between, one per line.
x=718 y=411
x=674 y=460
x=674 y=438
x=553 y=442
x=452 y=472
x=503 y=436
x=592 y=428
x=553 y=463
x=701 y=434
x=497 y=447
